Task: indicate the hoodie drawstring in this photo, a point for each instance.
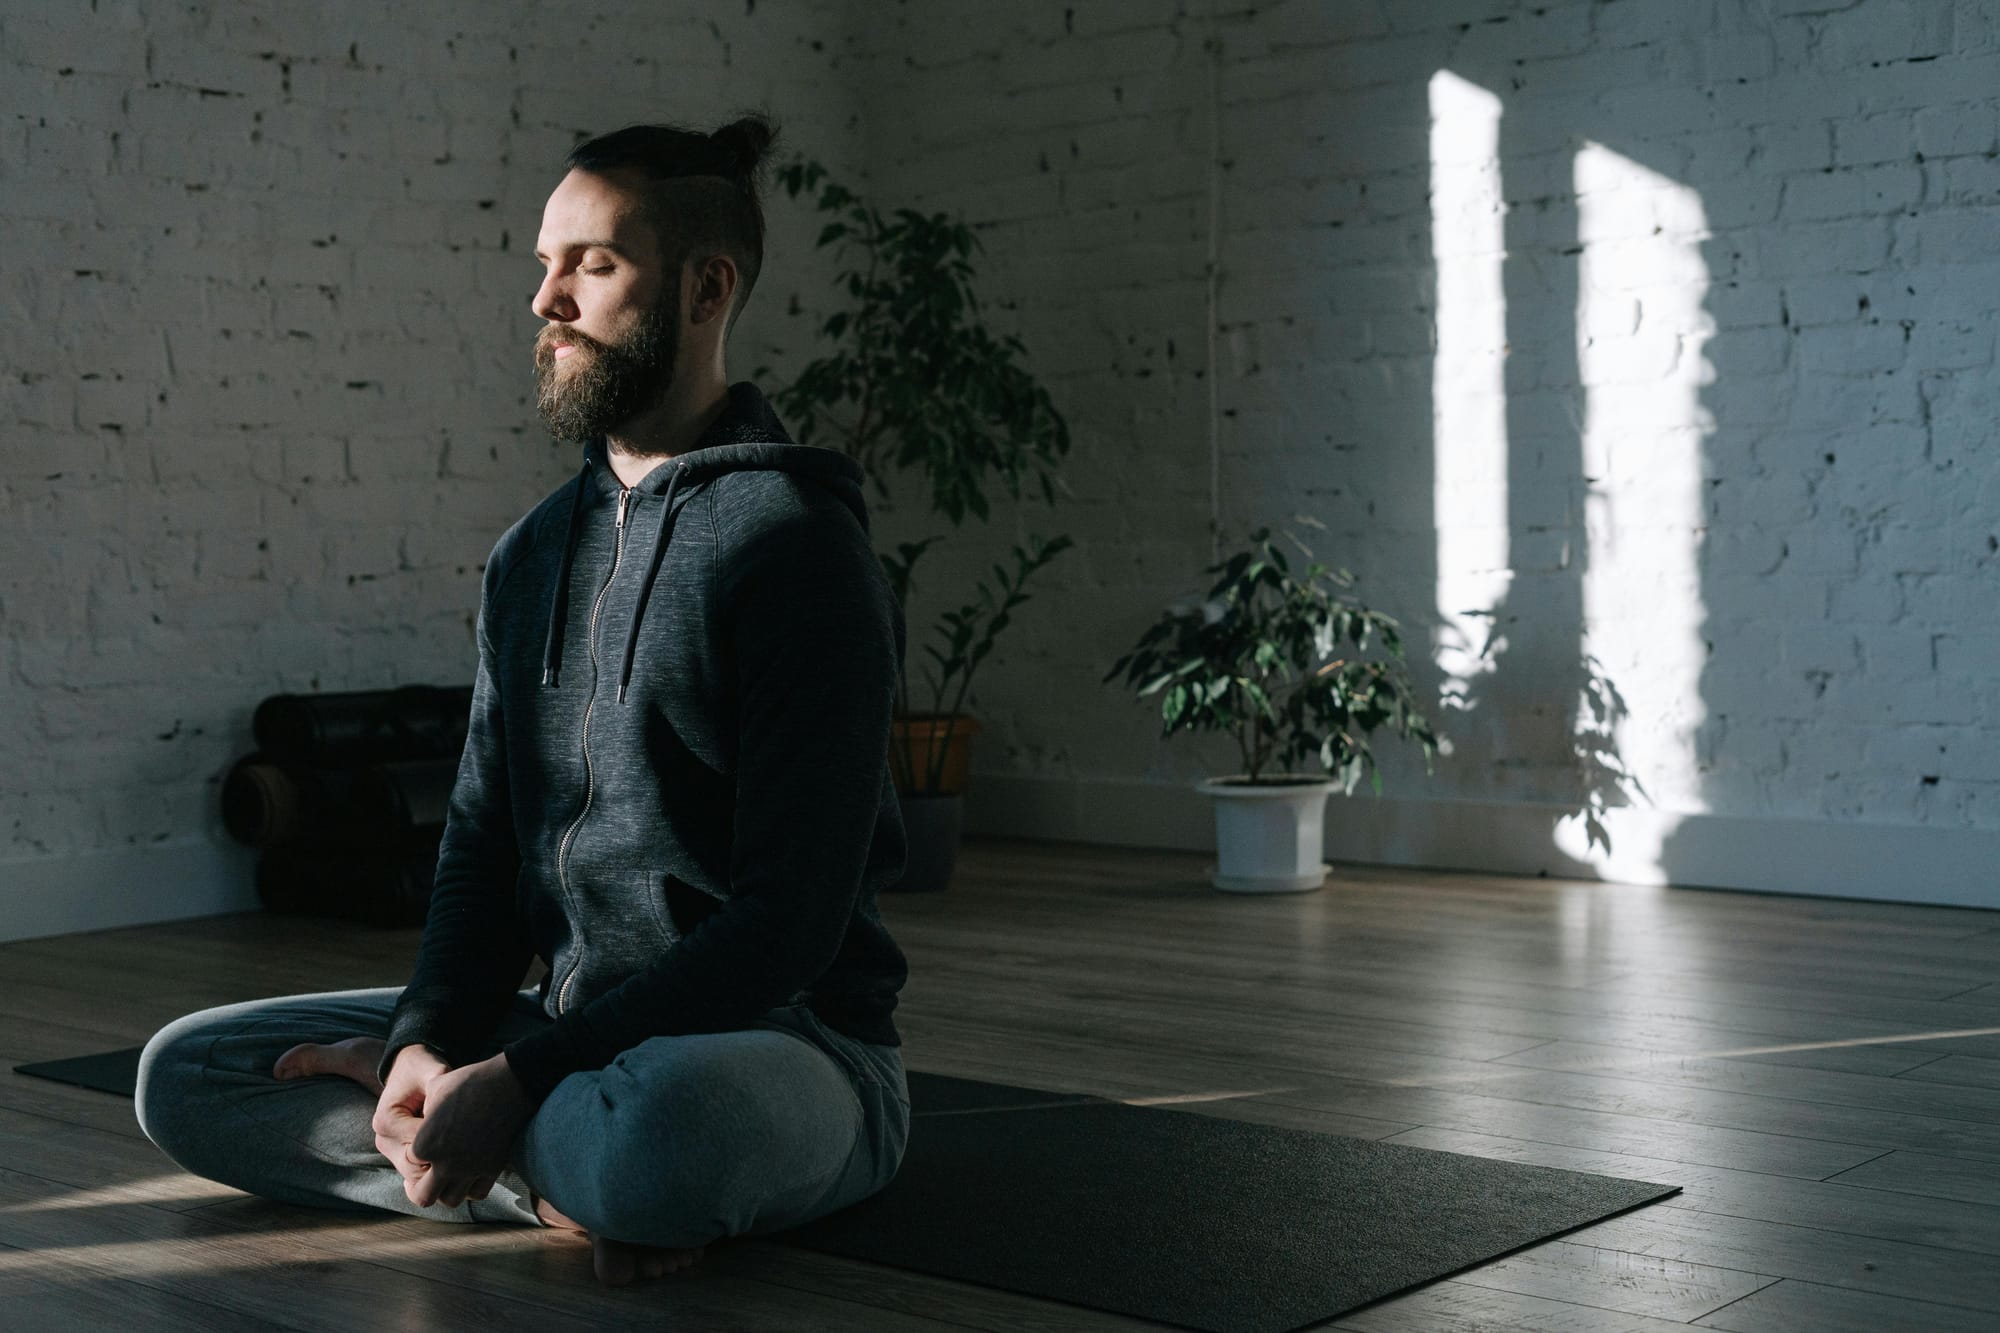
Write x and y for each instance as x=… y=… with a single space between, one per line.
x=559 y=604
x=646 y=588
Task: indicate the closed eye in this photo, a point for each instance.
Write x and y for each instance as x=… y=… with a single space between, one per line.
x=605 y=269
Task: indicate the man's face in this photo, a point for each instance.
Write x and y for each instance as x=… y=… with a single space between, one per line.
x=613 y=313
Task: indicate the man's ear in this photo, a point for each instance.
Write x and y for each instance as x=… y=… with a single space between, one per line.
x=714 y=288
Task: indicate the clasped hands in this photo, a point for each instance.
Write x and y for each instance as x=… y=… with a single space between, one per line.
x=448 y=1132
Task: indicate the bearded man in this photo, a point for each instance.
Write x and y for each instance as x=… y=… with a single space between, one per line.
x=674 y=792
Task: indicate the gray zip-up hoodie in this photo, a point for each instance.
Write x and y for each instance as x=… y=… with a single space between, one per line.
x=675 y=785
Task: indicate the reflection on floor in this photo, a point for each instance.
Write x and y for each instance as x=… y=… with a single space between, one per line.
x=1819 y=1076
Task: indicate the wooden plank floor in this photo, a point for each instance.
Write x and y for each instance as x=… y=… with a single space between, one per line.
x=1822 y=1078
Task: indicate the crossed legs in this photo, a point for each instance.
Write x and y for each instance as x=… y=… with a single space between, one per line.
x=679 y=1141
x=615 y=1262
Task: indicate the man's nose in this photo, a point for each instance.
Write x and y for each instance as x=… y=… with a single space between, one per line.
x=552 y=301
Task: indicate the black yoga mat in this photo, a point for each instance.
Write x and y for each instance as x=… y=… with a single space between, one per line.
x=113 y=1071
x=1191 y=1219
x=1186 y=1219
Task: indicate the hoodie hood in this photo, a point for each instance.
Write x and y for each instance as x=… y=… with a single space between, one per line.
x=746 y=437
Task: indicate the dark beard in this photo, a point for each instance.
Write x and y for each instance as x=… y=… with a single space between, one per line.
x=615 y=381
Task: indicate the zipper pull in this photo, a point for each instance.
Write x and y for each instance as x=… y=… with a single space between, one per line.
x=624 y=494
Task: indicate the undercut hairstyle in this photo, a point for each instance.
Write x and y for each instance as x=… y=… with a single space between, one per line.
x=699 y=191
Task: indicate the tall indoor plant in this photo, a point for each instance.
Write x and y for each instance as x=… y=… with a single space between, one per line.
x=1281 y=663
x=915 y=382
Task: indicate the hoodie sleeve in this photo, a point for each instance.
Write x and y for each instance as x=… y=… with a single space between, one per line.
x=473 y=953
x=813 y=633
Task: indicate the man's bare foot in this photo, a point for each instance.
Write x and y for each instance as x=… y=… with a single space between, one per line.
x=356 y=1058
x=547 y=1212
x=618 y=1262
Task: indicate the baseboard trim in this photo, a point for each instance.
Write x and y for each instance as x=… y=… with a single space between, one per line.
x=59 y=895
x=1949 y=867
x=1946 y=867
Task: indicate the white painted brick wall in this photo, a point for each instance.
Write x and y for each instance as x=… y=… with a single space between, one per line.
x=267 y=353
x=266 y=400
x=1843 y=559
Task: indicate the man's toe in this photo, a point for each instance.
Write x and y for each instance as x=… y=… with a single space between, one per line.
x=612 y=1260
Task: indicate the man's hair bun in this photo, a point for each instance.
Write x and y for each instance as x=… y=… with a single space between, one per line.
x=700 y=191
x=740 y=146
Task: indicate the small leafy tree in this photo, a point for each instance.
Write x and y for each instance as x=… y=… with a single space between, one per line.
x=1281 y=663
x=915 y=382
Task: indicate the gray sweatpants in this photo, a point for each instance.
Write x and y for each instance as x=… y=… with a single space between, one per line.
x=677 y=1142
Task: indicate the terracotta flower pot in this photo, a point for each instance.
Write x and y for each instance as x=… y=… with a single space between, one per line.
x=914 y=743
x=933 y=818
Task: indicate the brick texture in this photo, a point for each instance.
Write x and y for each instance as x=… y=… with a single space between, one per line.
x=1792 y=399
x=266 y=392
x=267 y=398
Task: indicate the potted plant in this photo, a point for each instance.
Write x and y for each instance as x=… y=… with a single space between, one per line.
x=1282 y=663
x=916 y=383
x=929 y=750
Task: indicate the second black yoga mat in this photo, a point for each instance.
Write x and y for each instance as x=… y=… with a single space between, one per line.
x=1189 y=1219
x=1193 y=1220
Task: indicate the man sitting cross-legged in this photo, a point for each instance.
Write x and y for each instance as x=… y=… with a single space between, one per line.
x=674 y=792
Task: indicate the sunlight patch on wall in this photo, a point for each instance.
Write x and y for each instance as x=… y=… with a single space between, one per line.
x=1640 y=329
x=1468 y=393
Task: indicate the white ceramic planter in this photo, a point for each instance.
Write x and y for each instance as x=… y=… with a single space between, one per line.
x=1268 y=838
